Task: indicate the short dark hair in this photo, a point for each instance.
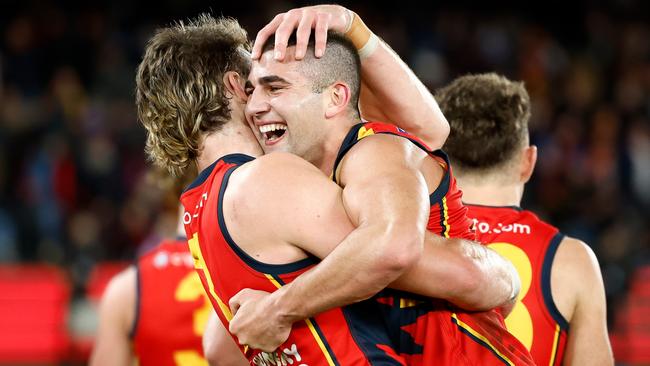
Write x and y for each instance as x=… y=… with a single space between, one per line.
x=340 y=62
x=180 y=93
x=488 y=115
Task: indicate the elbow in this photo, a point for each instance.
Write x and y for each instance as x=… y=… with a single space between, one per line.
x=490 y=291
x=394 y=251
x=473 y=288
x=441 y=133
x=445 y=129
x=400 y=251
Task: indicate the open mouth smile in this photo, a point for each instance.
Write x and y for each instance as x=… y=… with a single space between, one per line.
x=272 y=132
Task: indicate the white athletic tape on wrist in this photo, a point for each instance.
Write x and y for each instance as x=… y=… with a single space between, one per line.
x=369 y=47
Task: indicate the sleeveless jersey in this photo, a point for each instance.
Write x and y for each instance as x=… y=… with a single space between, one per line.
x=171 y=308
x=331 y=338
x=530 y=244
x=430 y=331
x=448 y=215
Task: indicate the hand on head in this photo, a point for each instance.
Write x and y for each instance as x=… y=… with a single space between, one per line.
x=320 y=18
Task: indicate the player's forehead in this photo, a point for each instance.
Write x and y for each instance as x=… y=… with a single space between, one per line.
x=267 y=67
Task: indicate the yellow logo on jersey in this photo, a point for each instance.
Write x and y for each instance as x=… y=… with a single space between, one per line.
x=519 y=322
x=363 y=132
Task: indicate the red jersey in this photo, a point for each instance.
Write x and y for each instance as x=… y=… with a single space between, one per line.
x=335 y=337
x=171 y=308
x=433 y=332
x=448 y=215
x=530 y=244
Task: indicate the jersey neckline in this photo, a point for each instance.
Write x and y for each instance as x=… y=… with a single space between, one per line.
x=236 y=158
x=511 y=207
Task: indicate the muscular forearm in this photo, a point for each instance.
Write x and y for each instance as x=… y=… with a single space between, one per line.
x=391 y=92
x=465 y=273
x=360 y=267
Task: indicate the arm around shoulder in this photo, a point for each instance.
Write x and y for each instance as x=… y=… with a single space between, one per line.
x=467 y=274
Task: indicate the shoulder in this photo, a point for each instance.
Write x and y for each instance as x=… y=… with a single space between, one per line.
x=383 y=150
x=575 y=255
x=270 y=170
x=122 y=282
x=381 y=141
x=280 y=159
x=575 y=276
x=277 y=181
x=118 y=300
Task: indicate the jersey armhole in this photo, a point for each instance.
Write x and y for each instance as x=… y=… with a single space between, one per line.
x=546 y=282
x=443 y=188
x=138 y=295
x=266 y=268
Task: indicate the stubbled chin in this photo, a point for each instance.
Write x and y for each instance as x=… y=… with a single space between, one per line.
x=272 y=148
x=279 y=147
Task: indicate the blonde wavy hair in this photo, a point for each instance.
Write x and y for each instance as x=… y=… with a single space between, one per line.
x=180 y=93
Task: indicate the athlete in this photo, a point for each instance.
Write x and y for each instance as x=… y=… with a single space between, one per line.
x=191 y=98
x=560 y=311
x=394 y=187
x=161 y=292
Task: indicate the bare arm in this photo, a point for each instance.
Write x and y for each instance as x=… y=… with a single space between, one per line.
x=391 y=92
x=466 y=273
x=116 y=316
x=383 y=71
x=218 y=346
x=386 y=199
x=578 y=291
x=368 y=258
x=308 y=213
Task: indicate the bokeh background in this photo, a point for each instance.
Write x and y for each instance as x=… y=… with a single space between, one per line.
x=77 y=203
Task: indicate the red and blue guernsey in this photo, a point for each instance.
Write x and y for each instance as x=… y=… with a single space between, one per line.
x=429 y=331
x=336 y=337
x=530 y=244
x=169 y=296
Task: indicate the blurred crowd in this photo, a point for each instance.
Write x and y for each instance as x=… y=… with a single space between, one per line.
x=74 y=187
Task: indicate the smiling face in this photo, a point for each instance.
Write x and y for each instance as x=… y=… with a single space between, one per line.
x=303 y=107
x=284 y=111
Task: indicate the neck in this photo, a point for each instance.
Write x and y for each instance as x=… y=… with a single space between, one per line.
x=332 y=144
x=490 y=192
x=232 y=138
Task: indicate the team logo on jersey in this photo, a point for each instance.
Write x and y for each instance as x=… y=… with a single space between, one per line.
x=188 y=217
x=288 y=356
x=499 y=228
x=363 y=132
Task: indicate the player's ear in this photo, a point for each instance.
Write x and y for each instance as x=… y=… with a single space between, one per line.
x=338 y=98
x=528 y=161
x=235 y=85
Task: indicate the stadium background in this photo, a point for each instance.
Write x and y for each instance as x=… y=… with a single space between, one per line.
x=74 y=192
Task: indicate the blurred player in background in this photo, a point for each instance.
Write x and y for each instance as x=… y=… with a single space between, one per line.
x=560 y=315
x=155 y=311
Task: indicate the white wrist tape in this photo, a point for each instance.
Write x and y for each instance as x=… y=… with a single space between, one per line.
x=369 y=47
